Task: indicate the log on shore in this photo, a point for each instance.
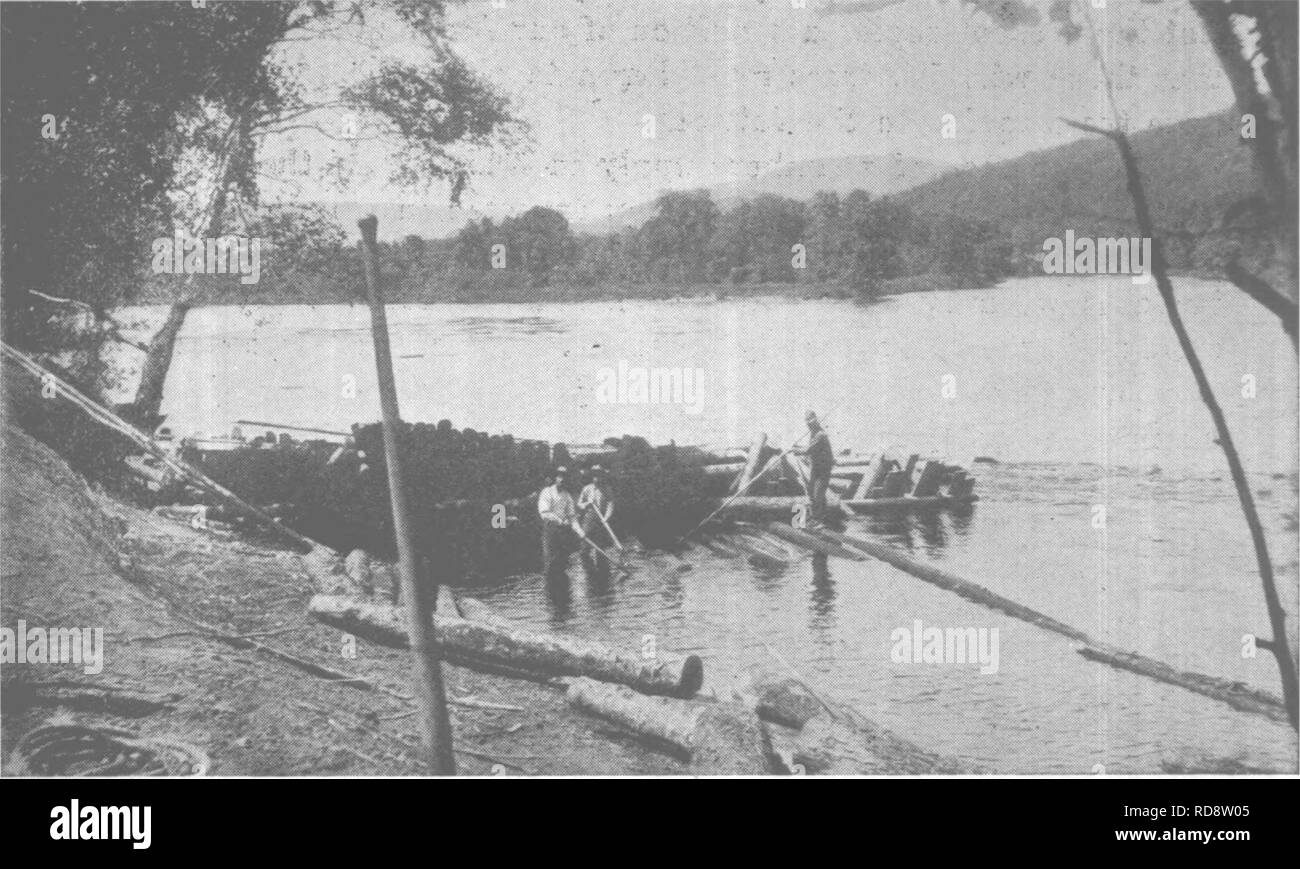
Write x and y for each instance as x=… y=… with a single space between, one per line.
x=87 y=697
x=1236 y=694
x=831 y=738
x=514 y=650
x=474 y=610
x=961 y=587
x=856 y=746
x=718 y=738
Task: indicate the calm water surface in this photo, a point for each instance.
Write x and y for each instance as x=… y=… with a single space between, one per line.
x=1075 y=386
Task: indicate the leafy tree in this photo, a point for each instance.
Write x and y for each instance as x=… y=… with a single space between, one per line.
x=95 y=101
x=473 y=246
x=144 y=89
x=676 y=239
x=537 y=242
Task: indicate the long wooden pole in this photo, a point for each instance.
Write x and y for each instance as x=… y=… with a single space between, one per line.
x=419 y=615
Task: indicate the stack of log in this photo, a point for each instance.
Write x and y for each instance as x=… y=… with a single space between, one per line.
x=458 y=481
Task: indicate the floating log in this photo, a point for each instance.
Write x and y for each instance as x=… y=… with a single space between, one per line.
x=812 y=543
x=506 y=648
x=718 y=738
x=962 y=587
x=1236 y=694
x=773 y=506
x=907 y=503
x=764 y=547
x=835 y=739
x=752 y=459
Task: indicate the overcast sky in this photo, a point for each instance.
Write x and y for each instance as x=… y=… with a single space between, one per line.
x=740 y=87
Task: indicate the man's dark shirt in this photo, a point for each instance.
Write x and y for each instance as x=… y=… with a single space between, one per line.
x=820 y=456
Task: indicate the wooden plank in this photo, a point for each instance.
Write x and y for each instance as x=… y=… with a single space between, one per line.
x=799 y=470
x=752 y=460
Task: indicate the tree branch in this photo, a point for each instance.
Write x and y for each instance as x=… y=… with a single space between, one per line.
x=1277 y=616
x=1261 y=291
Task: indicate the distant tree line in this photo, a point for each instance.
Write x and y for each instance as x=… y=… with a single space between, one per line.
x=850 y=245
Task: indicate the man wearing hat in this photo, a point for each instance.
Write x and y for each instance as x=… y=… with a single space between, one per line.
x=559 y=523
x=595 y=507
x=821 y=459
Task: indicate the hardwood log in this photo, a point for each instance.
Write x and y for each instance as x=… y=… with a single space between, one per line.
x=507 y=648
x=718 y=738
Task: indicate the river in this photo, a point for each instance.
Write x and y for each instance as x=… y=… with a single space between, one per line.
x=1075 y=386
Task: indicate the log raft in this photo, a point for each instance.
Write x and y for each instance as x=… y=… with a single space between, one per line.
x=500 y=647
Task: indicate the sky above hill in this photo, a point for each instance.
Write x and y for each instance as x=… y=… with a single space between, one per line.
x=739 y=88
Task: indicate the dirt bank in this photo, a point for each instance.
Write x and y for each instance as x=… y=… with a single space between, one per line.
x=73 y=557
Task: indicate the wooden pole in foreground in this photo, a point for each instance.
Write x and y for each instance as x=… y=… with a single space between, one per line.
x=419 y=617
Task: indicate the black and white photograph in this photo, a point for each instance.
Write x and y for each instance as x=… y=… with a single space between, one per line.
x=649 y=388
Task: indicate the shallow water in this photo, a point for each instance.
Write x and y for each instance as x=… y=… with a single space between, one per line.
x=1076 y=386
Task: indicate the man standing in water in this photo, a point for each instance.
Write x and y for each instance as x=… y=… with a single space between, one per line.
x=821 y=459
x=559 y=522
x=595 y=507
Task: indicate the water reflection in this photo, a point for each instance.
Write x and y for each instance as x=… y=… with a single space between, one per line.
x=822 y=599
x=600 y=586
x=559 y=596
x=930 y=525
x=766 y=575
x=930 y=530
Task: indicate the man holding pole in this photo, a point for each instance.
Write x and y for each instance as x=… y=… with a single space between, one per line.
x=821 y=460
x=595 y=506
x=559 y=522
